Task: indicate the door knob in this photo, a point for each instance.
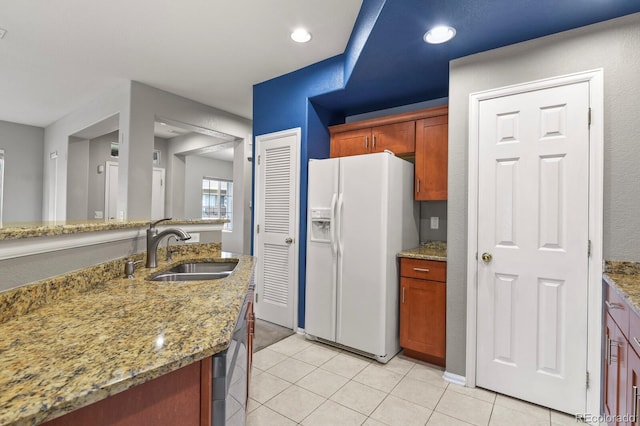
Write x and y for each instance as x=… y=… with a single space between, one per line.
x=288 y=240
x=486 y=257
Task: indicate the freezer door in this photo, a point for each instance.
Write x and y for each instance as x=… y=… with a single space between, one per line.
x=362 y=223
x=320 y=300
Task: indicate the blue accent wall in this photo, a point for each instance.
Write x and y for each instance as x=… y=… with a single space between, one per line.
x=283 y=103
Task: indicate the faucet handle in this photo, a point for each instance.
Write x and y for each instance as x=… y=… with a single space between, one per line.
x=153 y=224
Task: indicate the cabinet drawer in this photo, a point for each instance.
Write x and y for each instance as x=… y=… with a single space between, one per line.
x=617 y=307
x=423 y=269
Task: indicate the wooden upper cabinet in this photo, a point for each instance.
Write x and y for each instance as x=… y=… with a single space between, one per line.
x=397 y=133
x=431 y=158
x=354 y=142
x=399 y=138
x=423 y=134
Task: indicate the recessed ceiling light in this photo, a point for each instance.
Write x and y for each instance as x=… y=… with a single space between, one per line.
x=440 y=34
x=301 y=35
x=2 y=32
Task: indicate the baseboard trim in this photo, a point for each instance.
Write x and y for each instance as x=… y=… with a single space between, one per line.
x=454 y=378
x=300 y=331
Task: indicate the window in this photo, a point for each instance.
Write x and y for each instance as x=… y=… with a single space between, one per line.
x=217 y=200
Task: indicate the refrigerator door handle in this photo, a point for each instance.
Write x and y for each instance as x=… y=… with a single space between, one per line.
x=339 y=226
x=333 y=226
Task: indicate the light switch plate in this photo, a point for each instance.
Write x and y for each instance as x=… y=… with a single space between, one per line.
x=435 y=222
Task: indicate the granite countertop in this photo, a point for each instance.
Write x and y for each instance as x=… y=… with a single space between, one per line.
x=76 y=339
x=431 y=250
x=31 y=230
x=625 y=277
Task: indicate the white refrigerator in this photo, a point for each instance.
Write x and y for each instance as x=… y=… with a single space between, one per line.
x=361 y=213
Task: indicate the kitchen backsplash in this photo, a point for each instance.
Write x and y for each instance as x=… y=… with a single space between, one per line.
x=429 y=209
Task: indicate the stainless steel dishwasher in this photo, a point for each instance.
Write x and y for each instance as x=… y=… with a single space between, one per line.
x=229 y=384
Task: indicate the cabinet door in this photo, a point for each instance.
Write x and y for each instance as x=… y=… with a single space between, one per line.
x=633 y=384
x=399 y=138
x=431 y=158
x=353 y=142
x=615 y=370
x=422 y=316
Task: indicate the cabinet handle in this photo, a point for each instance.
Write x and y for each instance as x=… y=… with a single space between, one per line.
x=403 y=289
x=613 y=305
x=373 y=142
x=366 y=142
x=421 y=269
x=611 y=357
x=635 y=404
x=418 y=186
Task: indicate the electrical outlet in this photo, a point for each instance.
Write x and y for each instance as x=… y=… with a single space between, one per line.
x=435 y=222
x=98 y=214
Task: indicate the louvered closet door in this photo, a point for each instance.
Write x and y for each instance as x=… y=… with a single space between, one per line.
x=276 y=224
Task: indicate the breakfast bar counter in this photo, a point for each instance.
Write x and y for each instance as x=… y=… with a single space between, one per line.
x=67 y=343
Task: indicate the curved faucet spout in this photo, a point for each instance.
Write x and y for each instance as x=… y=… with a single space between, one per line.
x=153 y=240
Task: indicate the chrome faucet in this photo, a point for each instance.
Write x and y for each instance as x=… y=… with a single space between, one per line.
x=154 y=237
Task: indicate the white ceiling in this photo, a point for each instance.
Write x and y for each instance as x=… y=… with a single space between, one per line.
x=59 y=55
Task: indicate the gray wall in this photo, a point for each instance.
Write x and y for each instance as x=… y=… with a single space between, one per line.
x=196 y=168
x=613 y=46
x=429 y=209
x=23 y=157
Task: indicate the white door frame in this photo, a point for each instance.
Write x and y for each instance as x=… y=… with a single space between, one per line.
x=596 y=168
x=262 y=139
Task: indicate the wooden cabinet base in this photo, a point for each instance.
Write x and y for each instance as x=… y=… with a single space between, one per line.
x=423 y=300
x=424 y=357
x=172 y=399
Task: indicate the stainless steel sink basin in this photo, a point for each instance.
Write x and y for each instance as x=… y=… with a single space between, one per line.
x=197 y=272
x=204 y=267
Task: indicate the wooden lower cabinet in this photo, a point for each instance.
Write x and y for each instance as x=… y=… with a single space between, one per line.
x=423 y=309
x=621 y=361
x=615 y=370
x=172 y=399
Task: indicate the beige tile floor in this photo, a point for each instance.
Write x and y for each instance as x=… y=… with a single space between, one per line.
x=299 y=382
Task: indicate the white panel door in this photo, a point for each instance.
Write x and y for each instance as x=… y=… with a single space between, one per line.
x=276 y=226
x=533 y=221
x=362 y=243
x=111 y=191
x=157 y=193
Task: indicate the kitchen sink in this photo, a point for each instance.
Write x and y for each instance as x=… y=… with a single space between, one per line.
x=204 y=267
x=197 y=271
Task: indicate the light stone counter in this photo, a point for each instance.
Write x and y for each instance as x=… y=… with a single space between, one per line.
x=431 y=250
x=44 y=230
x=76 y=339
x=625 y=278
